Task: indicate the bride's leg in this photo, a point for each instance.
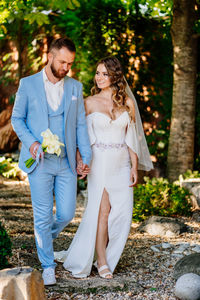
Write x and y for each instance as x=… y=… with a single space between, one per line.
x=102 y=232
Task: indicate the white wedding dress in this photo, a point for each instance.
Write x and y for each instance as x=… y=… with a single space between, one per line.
x=110 y=170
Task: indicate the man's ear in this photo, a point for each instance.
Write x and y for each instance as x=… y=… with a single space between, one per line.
x=50 y=56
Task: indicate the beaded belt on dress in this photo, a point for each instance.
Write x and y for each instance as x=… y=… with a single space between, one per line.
x=110 y=146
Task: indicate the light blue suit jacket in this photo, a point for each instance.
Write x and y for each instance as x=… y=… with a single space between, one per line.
x=30 y=118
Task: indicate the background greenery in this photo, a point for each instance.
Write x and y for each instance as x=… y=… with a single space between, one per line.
x=137 y=32
x=157 y=196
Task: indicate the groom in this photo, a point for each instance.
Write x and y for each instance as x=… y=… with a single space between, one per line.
x=50 y=99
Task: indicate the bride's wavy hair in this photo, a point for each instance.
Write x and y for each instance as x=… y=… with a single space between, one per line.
x=118 y=83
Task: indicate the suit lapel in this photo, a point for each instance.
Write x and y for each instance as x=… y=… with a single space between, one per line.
x=67 y=96
x=42 y=93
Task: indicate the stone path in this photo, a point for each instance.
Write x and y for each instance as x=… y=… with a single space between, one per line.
x=145 y=270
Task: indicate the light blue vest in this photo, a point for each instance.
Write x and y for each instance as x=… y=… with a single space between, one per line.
x=56 y=124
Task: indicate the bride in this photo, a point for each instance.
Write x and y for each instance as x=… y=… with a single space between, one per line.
x=119 y=149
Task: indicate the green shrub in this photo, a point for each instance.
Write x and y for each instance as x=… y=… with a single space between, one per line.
x=82 y=183
x=159 y=197
x=191 y=174
x=8 y=168
x=5 y=247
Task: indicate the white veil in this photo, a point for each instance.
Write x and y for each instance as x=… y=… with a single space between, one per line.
x=144 y=159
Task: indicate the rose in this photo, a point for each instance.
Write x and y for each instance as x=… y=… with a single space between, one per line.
x=50 y=144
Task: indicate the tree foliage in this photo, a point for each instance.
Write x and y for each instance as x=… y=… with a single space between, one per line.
x=136 y=31
x=142 y=44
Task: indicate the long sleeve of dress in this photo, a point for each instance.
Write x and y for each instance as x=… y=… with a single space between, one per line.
x=91 y=133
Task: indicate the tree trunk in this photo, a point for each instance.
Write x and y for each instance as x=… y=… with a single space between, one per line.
x=181 y=141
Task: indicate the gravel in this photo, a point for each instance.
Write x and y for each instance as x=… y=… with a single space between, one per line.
x=142 y=272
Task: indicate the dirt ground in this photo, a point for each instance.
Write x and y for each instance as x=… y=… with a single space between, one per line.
x=134 y=277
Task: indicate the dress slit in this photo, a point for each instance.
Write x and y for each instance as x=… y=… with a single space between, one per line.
x=104 y=190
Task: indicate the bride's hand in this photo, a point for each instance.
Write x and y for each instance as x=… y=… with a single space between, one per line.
x=83 y=170
x=133 y=177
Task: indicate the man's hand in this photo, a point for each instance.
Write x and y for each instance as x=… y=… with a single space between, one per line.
x=34 y=149
x=82 y=169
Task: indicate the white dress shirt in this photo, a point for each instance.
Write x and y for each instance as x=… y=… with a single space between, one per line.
x=54 y=92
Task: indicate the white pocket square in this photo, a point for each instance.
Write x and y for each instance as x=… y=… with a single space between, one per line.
x=74 y=98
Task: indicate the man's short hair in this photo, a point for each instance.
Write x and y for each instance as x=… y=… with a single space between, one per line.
x=63 y=42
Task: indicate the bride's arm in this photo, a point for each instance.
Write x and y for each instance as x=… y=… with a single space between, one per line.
x=133 y=155
x=134 y=168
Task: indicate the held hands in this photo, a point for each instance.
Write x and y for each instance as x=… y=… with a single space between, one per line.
x=82 y=169
x=133 y=177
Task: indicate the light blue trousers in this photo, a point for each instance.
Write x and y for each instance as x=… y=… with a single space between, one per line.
x=53 y=176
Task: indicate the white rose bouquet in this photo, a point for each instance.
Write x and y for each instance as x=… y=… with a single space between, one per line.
x=50 y=144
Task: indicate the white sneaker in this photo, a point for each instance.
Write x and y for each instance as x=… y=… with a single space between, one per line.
x=48 y=276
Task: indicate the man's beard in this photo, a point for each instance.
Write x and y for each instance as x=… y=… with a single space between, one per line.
x=56 y=73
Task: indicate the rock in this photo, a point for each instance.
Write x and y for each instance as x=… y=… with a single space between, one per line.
x=155 y=249
x=196 y=215
x=166 y=245
x=99 y=285
x=21 y=284
x=5 y=116
x=187 y=264
x=188 y=287
x=177 y=255
x=181 y=248
x=21 y=175
x=163 y=226
x=8 y=138
x=196 y=248
x=193 y=185
x=187 y=252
